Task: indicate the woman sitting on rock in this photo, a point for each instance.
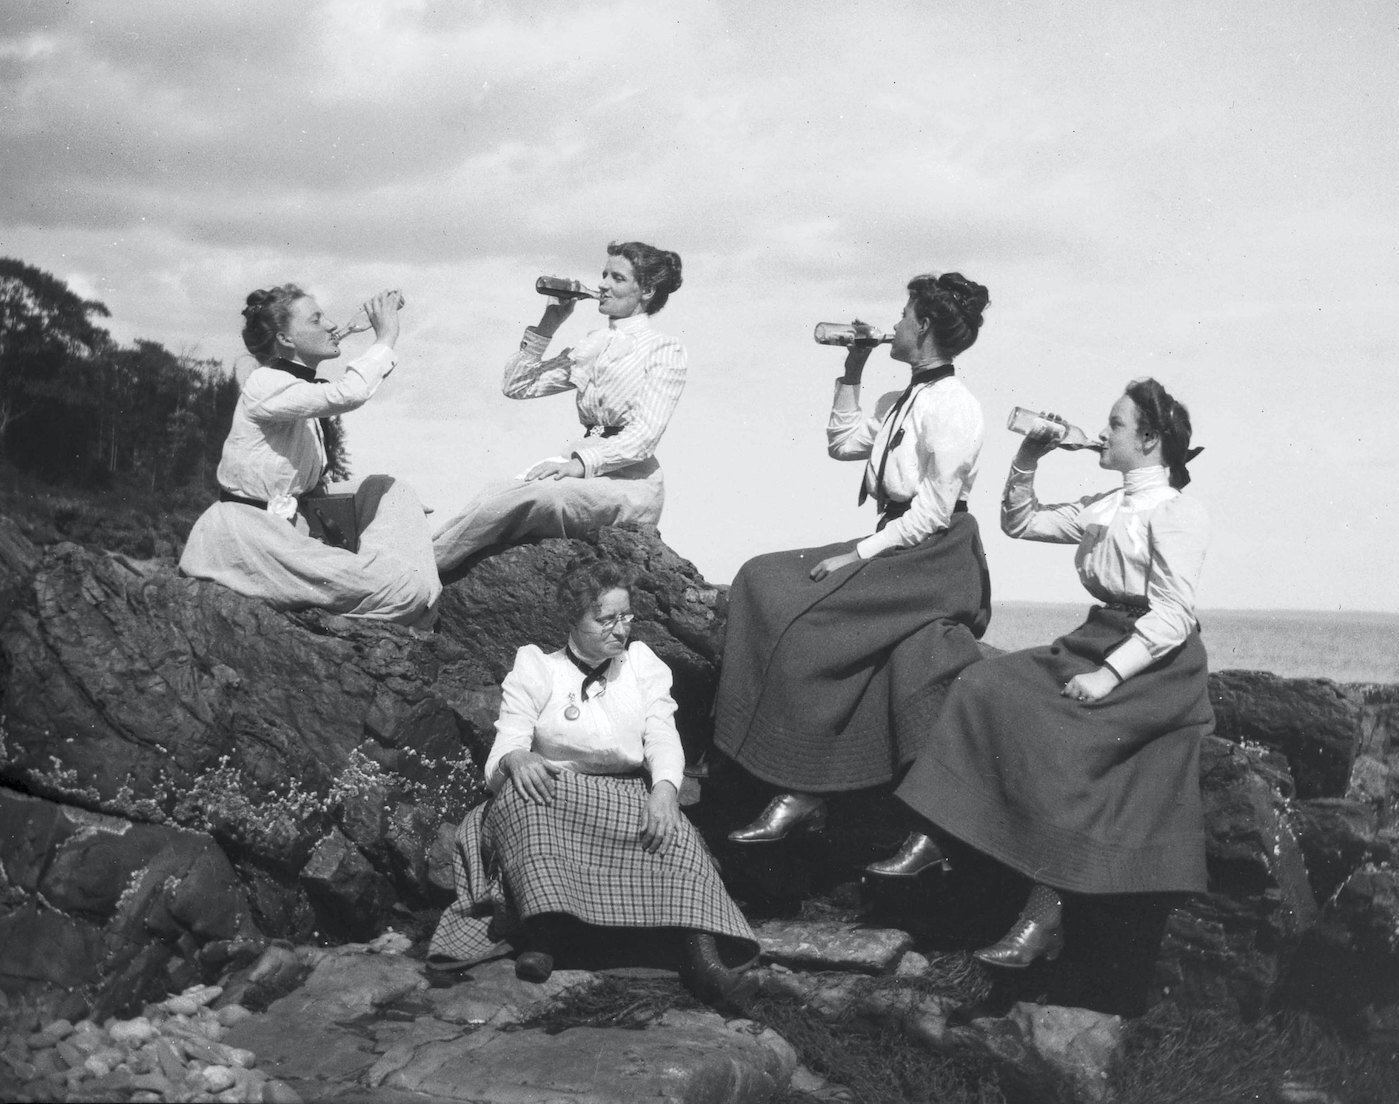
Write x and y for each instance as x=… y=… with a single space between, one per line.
x=628 y=378
x=585 y=820
x=256 y=538
x=1077 y=764
x=837 y=658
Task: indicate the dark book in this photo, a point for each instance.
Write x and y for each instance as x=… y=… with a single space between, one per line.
x=332 y=519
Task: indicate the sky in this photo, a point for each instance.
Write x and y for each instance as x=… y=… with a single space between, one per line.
x=1205 y=191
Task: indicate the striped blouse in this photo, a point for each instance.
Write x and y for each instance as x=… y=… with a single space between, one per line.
x=627 y=375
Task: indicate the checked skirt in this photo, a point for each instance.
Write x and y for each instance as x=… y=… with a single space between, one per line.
x=580 y=855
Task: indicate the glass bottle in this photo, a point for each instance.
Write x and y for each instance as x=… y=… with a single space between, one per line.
x=850 y=333
x=359 y=321
x=1024 y=420
x=560 y=287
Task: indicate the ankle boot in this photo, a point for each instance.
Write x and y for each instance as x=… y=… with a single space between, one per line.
x=786 y=813
x=1038 y=933
x=705 y=975
x=536 y=961
x=916 y=854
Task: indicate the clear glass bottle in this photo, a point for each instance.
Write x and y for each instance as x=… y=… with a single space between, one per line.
x=850 y=333
x=359 y=321
x=1024 y=420
x=560 y=287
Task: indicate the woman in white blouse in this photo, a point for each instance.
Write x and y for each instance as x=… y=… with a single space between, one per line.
x=1077 y=764
x=585 y=821
x=256 y=539
x=837 y=659
x=628 y=378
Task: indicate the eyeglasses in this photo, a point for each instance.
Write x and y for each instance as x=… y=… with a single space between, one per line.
x=607 y=624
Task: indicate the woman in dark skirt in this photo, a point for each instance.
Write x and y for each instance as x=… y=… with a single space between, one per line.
x=837 y=658
x=585 y=822
x=1077 y=764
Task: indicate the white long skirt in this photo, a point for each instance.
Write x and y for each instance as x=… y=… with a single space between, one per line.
x=392 y=577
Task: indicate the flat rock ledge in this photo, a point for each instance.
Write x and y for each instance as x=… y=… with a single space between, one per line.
x=365 y=1023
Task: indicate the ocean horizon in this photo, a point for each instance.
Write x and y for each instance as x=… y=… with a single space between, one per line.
x=1343 y=645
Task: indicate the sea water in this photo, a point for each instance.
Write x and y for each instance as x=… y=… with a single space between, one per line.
x=1345 y=646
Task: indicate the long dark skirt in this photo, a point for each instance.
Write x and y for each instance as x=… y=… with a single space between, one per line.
x=580 y=856
x=834 y=685
x=1091 y=798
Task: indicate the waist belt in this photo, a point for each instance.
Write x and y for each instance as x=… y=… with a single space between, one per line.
x=229 y=496
x=1125 y=607
x=602 y=430
x=894 y=510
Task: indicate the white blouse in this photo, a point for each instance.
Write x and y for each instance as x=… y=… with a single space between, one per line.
x=1141 y=545
x=627 y=722
x=627 y=375
x=274 y=445
x=933 y=466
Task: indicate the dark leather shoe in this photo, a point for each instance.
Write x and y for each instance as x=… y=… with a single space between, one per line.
x=534 y=965
x=706 y=976
x=785 y=814
x=1028 y=941
x=916 y=854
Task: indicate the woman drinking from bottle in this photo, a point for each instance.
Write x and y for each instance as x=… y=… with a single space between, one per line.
x=627 y=379
x=256 y=539
x=1077 y=764
x=837 y=658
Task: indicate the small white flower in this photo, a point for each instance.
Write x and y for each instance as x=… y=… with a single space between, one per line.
x=283 y=506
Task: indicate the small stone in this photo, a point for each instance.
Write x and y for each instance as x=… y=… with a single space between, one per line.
x=95 y=1066
x=59 y=1029
x=41 y=1040
x=133 y=1033
x=391 y=942
x=170 y=1062
x=231 y=1014
x=216 y=1078
x=912 y=964
x=146 y=1098
x=71 y=1056
x=181 y=1006
x=23 y=1071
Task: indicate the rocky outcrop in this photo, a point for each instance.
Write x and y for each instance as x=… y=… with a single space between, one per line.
x=306 y=771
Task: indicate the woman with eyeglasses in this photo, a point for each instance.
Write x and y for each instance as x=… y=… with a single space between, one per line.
x=585 y=822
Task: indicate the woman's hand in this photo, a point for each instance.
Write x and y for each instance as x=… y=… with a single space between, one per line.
x=556 y=469
x=1040 y=441
x=1090 y=686
x=555 y=314
x=661 y=817
x=382 y=312
x=855 y=358
x=834 y=563
x=532 y=776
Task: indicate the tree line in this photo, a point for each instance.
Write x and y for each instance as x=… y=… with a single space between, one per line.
x=76 y=406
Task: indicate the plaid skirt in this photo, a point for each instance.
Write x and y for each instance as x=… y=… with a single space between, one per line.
x=834 y=685
x=1099 y=797
x=582 y=856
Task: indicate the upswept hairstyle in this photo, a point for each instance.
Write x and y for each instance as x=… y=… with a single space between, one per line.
x=1158 y=412
x=586 y=580
x=656 y=270
x=952 y=305
x=265 y=317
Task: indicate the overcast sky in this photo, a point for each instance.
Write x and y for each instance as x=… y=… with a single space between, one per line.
x=1203 y=191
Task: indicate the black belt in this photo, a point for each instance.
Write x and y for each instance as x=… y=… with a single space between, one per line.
x=1123 y=607
x=229 y=496
x=602 y=430
x=894 y=510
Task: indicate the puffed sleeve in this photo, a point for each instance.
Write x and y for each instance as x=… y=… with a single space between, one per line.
x=660 y=742
x=525 y=692
x=849 y=434
x=272 y=395
x=1024 y=517
x=529 y=376
x=1178 y=534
